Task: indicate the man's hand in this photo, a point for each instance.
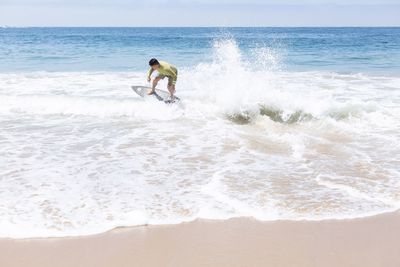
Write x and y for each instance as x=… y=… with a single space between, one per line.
x=148 y=79
x=150 y=92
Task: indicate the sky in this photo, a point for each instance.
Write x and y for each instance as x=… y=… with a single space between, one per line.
x=220 y=13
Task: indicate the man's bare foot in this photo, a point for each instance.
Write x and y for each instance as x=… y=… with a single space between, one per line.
x=150 y=92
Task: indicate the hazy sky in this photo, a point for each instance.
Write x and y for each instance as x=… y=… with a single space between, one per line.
x=200 y=13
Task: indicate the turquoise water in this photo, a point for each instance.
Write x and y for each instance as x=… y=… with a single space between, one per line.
x=273 y=123
x=127 y=49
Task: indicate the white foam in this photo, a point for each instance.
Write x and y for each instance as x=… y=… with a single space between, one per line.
x=80 y=153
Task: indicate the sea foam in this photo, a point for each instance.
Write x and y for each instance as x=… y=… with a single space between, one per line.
x=80 y=153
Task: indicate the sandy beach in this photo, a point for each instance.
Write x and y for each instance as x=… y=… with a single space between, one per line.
x=373 y=241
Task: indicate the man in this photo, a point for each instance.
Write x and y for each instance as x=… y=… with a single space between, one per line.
x=164 y=69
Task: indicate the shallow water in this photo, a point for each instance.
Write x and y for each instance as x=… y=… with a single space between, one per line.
x=80 y=153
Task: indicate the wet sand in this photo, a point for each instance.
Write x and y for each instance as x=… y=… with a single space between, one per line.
x=372 y=241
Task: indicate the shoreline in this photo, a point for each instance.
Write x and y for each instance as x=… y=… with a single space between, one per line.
x=197 y=220
x=370 y=241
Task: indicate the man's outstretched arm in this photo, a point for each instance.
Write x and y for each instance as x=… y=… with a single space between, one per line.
x=149 y=74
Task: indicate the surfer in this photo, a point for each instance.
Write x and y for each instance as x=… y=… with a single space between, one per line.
x=164 y=69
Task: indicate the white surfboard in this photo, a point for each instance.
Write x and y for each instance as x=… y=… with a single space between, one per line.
x=161 y=95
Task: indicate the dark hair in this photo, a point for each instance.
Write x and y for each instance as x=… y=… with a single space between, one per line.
x=153 y=62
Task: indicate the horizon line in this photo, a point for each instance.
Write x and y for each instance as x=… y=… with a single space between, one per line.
x=189 y=26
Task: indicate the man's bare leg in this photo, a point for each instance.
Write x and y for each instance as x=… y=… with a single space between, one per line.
x=171 y=89
x=153 y=86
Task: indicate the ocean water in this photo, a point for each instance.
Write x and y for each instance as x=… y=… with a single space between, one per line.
x=274 y=123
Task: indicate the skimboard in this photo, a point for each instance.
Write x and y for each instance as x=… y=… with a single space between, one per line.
x=161 y=95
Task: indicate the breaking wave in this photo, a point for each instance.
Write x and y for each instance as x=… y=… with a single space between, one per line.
x=81 y=153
